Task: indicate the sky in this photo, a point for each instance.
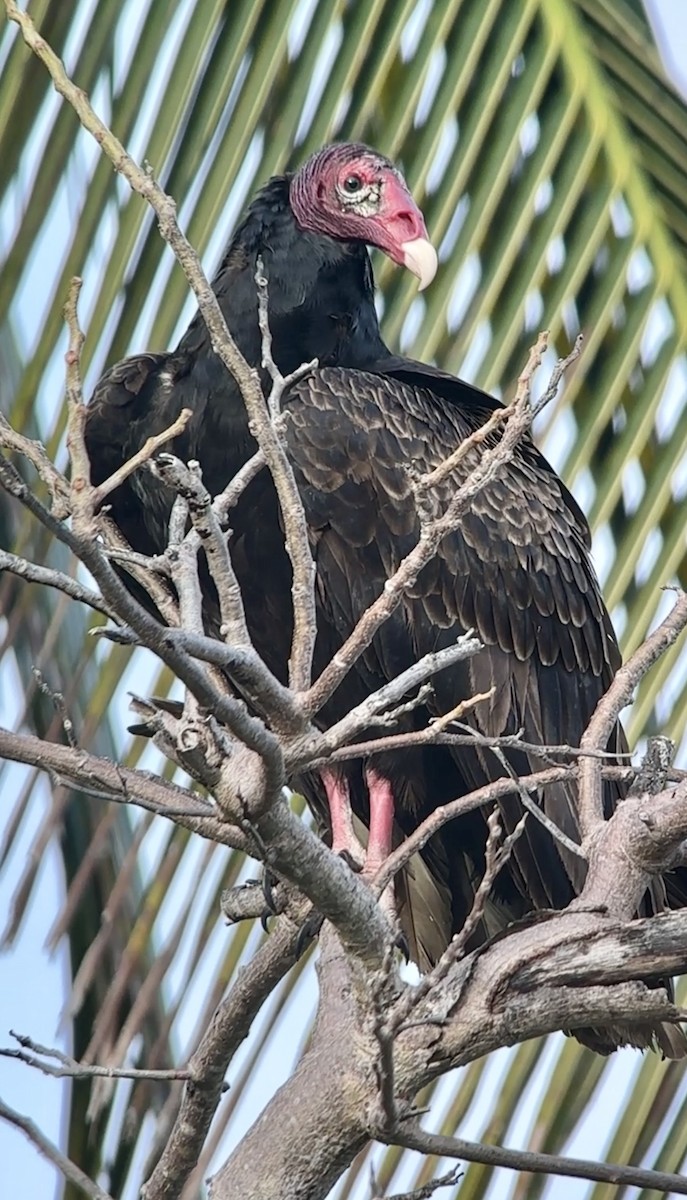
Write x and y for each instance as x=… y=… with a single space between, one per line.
x=32 y=985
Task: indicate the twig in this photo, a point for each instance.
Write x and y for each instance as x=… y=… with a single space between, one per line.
x=66 y=1067
x=68 y=1169
x=439 y=724
x=182 y=552
x=207 y=531
x=81 y=492
x=280 y=383
x=158 y=563
x=412 y=1137
x=209 y=1062
x=393 y=715
x=148 y=449
x=15 y=486
x=424 y=1192
x=531 y=806
x=434 y=734
x=229 y=497
x=295 y=525
x=485 y=432
x=457 y=808
x=472 y=442
x=560 y=367
x=368 y=712
x=145 y=572
x=497 y=851
x=600 y=728
x=35 y=452
x=50 y=577
x=58 y=702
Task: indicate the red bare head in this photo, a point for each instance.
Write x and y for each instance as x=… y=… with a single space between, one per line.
x=352 y=193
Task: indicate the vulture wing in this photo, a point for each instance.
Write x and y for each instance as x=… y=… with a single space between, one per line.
x=516 y=569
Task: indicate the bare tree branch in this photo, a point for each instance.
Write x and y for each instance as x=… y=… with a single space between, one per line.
x=424 y=1192
x=49 y=1150
x=65 y=1067
x=590 y=805
x=414 y=1138
x=123 y=784
x=295 y=527
x=435 y=734
x=144 y=455
x=36 y=454
x=375 y=707
x=457 y=808
x=208 y=1064
x=58 y=702
x=50 y=577
x=538 y=813
x=497 y=851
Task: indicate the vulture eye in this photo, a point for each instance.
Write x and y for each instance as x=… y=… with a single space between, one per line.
x=352 y=185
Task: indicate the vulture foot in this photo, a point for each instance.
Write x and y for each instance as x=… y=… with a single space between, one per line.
x=344 y=839
x=379 y=843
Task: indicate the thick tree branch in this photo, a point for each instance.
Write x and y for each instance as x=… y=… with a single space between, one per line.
x=208 y=1064
x=125 y=785
x=322 y=1105
x=291 y=849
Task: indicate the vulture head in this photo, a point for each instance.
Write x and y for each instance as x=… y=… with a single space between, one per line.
x=352 y=193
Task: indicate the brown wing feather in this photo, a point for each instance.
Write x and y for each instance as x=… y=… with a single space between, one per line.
x=517 y=569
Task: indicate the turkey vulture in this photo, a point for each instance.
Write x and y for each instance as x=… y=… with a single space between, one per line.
x=517 y=569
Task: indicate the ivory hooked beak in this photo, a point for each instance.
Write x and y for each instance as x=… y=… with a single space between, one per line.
x=420 y=257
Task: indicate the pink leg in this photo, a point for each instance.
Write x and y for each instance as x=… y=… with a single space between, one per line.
x=381 y=821
x=344 y=840
x=379 y=843
x=381 y=834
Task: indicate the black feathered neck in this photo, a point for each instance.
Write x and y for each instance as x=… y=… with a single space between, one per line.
x=321 y=291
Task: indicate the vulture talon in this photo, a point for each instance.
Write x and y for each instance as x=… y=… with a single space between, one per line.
x=401 y=943
x=307 y=933
x=269 y=884
x=351 y=861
